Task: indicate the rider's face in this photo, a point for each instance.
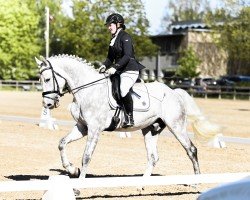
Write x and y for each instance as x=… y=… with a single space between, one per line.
x=112 y=28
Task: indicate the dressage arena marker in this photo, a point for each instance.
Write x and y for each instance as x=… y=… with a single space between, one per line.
x=62 y=185
x=217 y=142
x=47 y=121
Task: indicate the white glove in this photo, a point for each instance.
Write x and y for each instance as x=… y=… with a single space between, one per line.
x=102 y=69
x=111 y=70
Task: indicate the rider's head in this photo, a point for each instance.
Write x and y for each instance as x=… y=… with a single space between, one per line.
x=114 y=22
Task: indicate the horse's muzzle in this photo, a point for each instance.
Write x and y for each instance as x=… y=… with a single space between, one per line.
x=52 y=104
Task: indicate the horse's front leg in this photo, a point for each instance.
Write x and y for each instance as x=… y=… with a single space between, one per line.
x=150 y=139
x=77 y=133
x=92 y=140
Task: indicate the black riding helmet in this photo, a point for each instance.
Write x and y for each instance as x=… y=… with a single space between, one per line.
x=115 y=18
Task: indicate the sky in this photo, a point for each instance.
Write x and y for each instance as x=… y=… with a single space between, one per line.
x=155 y=13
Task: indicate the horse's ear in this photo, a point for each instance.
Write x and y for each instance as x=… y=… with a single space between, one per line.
x=43 y=59
x=39 y=62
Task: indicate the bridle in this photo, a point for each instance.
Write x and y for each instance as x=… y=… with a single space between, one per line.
x=56 y=88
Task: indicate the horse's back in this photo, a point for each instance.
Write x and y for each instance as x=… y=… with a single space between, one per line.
x=158 y=90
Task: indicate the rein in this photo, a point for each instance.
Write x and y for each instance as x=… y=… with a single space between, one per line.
x=86 y=85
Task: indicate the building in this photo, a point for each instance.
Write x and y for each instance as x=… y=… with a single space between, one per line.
x=186 y=34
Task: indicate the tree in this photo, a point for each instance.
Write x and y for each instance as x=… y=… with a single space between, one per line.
x=234 y=31
x=85 y=35
x=188 y=64
x=19 y=40
x=22 y=32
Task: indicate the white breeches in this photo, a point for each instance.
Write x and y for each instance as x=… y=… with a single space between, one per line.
x=128 y=79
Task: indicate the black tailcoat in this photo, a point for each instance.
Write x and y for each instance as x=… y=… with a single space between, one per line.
x=122 y=53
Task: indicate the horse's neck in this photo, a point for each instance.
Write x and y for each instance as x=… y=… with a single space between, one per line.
x=81 y=75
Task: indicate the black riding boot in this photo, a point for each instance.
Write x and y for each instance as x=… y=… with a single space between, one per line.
x=128 y=111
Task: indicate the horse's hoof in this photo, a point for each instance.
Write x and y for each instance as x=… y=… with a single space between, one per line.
x=76 y=173
x=77 y=192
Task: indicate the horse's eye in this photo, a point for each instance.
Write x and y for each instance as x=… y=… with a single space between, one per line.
x=47 y=80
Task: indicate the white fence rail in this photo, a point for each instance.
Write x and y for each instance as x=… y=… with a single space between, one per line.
x=110 y=182
x=20 y=85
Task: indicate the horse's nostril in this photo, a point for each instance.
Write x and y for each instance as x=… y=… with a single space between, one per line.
x=49 y=104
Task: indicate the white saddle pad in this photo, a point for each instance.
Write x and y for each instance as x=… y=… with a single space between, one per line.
x=140 y=97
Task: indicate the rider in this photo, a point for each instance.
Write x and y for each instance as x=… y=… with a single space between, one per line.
x=121 y=52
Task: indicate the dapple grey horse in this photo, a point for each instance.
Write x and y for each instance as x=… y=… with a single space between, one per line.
x=93 y=113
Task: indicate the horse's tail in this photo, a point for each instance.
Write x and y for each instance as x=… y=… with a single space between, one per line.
x=202 y=127
x=193 y=111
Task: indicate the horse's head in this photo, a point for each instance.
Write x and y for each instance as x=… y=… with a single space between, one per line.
x=52 y=83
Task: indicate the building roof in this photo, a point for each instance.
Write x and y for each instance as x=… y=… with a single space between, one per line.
x=188 y=24
x=178 y=28
x=167 y=34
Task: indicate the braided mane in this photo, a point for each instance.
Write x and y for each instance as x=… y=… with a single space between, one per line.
x=77 y=58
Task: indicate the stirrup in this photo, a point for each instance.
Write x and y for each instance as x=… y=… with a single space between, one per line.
x=128 y=123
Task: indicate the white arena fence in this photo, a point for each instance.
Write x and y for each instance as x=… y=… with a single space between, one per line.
x=234 y=139
x=20 y=85
x=111 y=182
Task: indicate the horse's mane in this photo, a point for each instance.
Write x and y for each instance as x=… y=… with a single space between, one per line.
x=76 y=58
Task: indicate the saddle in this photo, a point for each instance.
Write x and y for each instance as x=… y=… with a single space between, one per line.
x=139 y=93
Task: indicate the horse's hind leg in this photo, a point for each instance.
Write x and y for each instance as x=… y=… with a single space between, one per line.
x=192 y=153
x=77 y=133
x=182 y=136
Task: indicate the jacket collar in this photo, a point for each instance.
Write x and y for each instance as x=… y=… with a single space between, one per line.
x=112 y=42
